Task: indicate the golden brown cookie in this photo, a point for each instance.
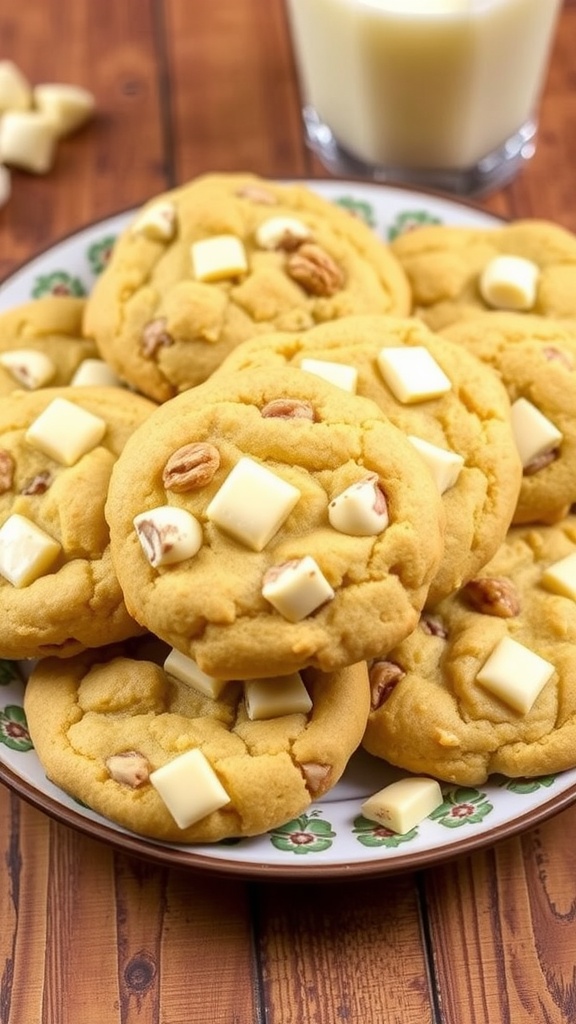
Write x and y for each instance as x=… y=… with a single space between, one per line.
x=469 y=420
x=445 y=264
x=58 y=589
x=226 y=256
x=41 y=343
x=102 y=723
x=536 y=359
x=430 y=713
x=244 y=557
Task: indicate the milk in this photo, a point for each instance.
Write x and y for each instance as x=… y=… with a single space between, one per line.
x=422 y=83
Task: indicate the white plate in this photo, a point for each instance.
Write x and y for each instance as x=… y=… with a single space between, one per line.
x=331 y=839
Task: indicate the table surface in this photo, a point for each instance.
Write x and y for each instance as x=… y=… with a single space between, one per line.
x=93 y=936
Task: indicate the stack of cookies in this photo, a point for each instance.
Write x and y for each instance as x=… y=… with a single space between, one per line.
x=276 y=490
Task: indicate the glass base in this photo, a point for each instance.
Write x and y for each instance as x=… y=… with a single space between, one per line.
x=492 y=172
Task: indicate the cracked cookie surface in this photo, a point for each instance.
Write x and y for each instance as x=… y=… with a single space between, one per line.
x=210 y=605
x=77 y=602
x=165 y=326
x=444 y=265
x=103 y=704
x=472 y=419
x=429 y=712
x=535 y=358
x=51 y=326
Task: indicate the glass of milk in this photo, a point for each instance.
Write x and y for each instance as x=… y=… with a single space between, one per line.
x=437 y=93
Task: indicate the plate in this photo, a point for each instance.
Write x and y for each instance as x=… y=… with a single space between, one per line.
x=332 y=839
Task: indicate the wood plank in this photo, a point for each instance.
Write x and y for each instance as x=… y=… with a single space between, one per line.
x=350 y=952
x=503 y=928
x=81 y=959
x=114 y=162
x=232 y=100
x=207 y=961
x=23 y=886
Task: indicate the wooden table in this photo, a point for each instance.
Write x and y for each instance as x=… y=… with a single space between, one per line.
x=92 y=936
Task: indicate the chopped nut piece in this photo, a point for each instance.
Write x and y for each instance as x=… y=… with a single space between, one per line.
x=6 y=471
x=155 y=336
x=191 y=466
x=129 y=768
x=384 y=675
x=288 y=409
x=256 y=194
x=554 y=354
x=493 y=595
x=433 y=627
x=39 y=484
x=316 y=777
x=315 y=270
x=540 y=462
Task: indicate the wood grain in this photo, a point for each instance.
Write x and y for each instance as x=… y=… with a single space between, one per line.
x=349 y=951
x=503 y=928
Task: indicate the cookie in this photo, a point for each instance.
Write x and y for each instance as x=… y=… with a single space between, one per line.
x=226 y=256
x=432 y=714
x=470 y=420
x=58 y=589
x=536 y=359
x=447 y=268
x=104 y=723
x=266 y=521
x=41 y=343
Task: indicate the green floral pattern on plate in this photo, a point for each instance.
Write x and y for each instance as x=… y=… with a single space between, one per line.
x=462 y=806
x=308 y=833
x=370 y=833
x=59 y=282
x=14 y=728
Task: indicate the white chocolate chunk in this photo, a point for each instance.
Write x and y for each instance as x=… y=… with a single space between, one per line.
x=340 y=374
x=252 y=504
x=26 y=551
x=189 y=787
x=67 y=107
x=65 y=431
x=412 y=374
x=95 y=373
x=560 y=577
x=515 y=674
x=271 y=233
x=509 y=282
x=296 y=588
x=361 y=510
x=277 y=696
x=157 y=222
x=29 y=367
x=534 y=433
x=444 y=464
x=168 y=534
x=218 y=258
x=404 y=804
x=27 y=141
x=5 y=185
x=15 y=89
x=188 y=672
